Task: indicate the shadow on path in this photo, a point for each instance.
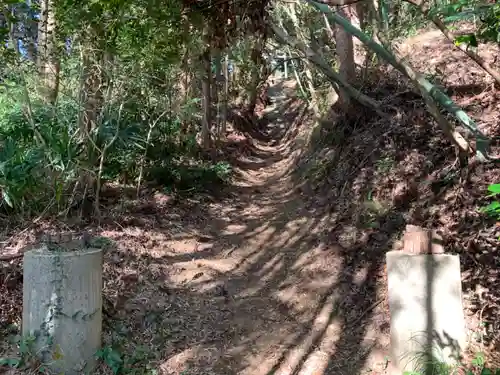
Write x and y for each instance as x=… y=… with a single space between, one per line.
x=255 y=284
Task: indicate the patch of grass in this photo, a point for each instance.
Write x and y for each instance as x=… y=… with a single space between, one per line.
x=318 y=170
x=385 y=164
x=373 y=210
x=101 y=242
x=120 y=364
x=436 y=367
x=27 y=359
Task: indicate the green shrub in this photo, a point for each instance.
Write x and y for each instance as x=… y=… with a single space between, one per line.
x=493 y=209
x=36 y=174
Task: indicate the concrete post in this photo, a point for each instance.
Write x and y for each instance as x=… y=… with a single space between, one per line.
x=427 y=318
x=62 y=302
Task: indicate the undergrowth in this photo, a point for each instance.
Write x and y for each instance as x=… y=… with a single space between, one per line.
x=42 y=160
x=28 y=360
x=476 y=367
x=493 y=209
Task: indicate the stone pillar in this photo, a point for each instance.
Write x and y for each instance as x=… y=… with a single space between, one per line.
x=62 y=301
x=425 y=302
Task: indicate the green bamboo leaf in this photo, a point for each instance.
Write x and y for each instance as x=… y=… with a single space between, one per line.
x=469 y=39
x=7 y=198
x=494 y=189
x=10 y=362
x=491 y=208
x=478 y=360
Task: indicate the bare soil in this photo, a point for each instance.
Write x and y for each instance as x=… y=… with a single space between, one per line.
x=283 y=272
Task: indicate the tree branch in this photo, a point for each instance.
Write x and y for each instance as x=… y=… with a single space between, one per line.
x=327 y=70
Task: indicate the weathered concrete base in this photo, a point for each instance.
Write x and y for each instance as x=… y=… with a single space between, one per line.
x=62 y=301
x=425 y=300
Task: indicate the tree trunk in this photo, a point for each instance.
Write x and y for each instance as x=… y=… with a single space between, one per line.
x=13 y=32
x=372 y=13
x=328 y=28
x=95 y=83
x=216 y=86
x=256 y=58
x=31 y=31
x=3 y=21
x=207 y=100
x=92 y=91
x=296 y=74
x=309 y=81
x=332 y=96
x=235 y=75
x=185 y=90
x=225 y=98
x=310 y=86
x=48 y=59
x=345 y=52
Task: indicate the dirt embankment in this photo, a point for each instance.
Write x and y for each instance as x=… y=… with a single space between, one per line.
x=375 y=176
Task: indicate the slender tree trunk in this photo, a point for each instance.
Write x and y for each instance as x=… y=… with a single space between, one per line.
x=48 y=59
x=329 y=30
x=309 y=80
x=95 y=91
x=42 y=35
x=225 y=98
x=361 y=13
x=92 y=93
x=181 y=85
x=296 y=74
x=256 y=58
x=186 y=88
x=14 y=29
x=3 y=19
x=345 y=51
x=310 y=86
x=216 y=98
x=235 y=75
x=207 y=100
x=31 y=31
x=95 y=83
x=372 y=16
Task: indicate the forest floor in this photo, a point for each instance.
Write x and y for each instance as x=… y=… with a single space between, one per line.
x=283 y=272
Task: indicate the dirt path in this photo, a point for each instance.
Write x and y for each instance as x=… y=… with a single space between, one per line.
x=250 y=288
